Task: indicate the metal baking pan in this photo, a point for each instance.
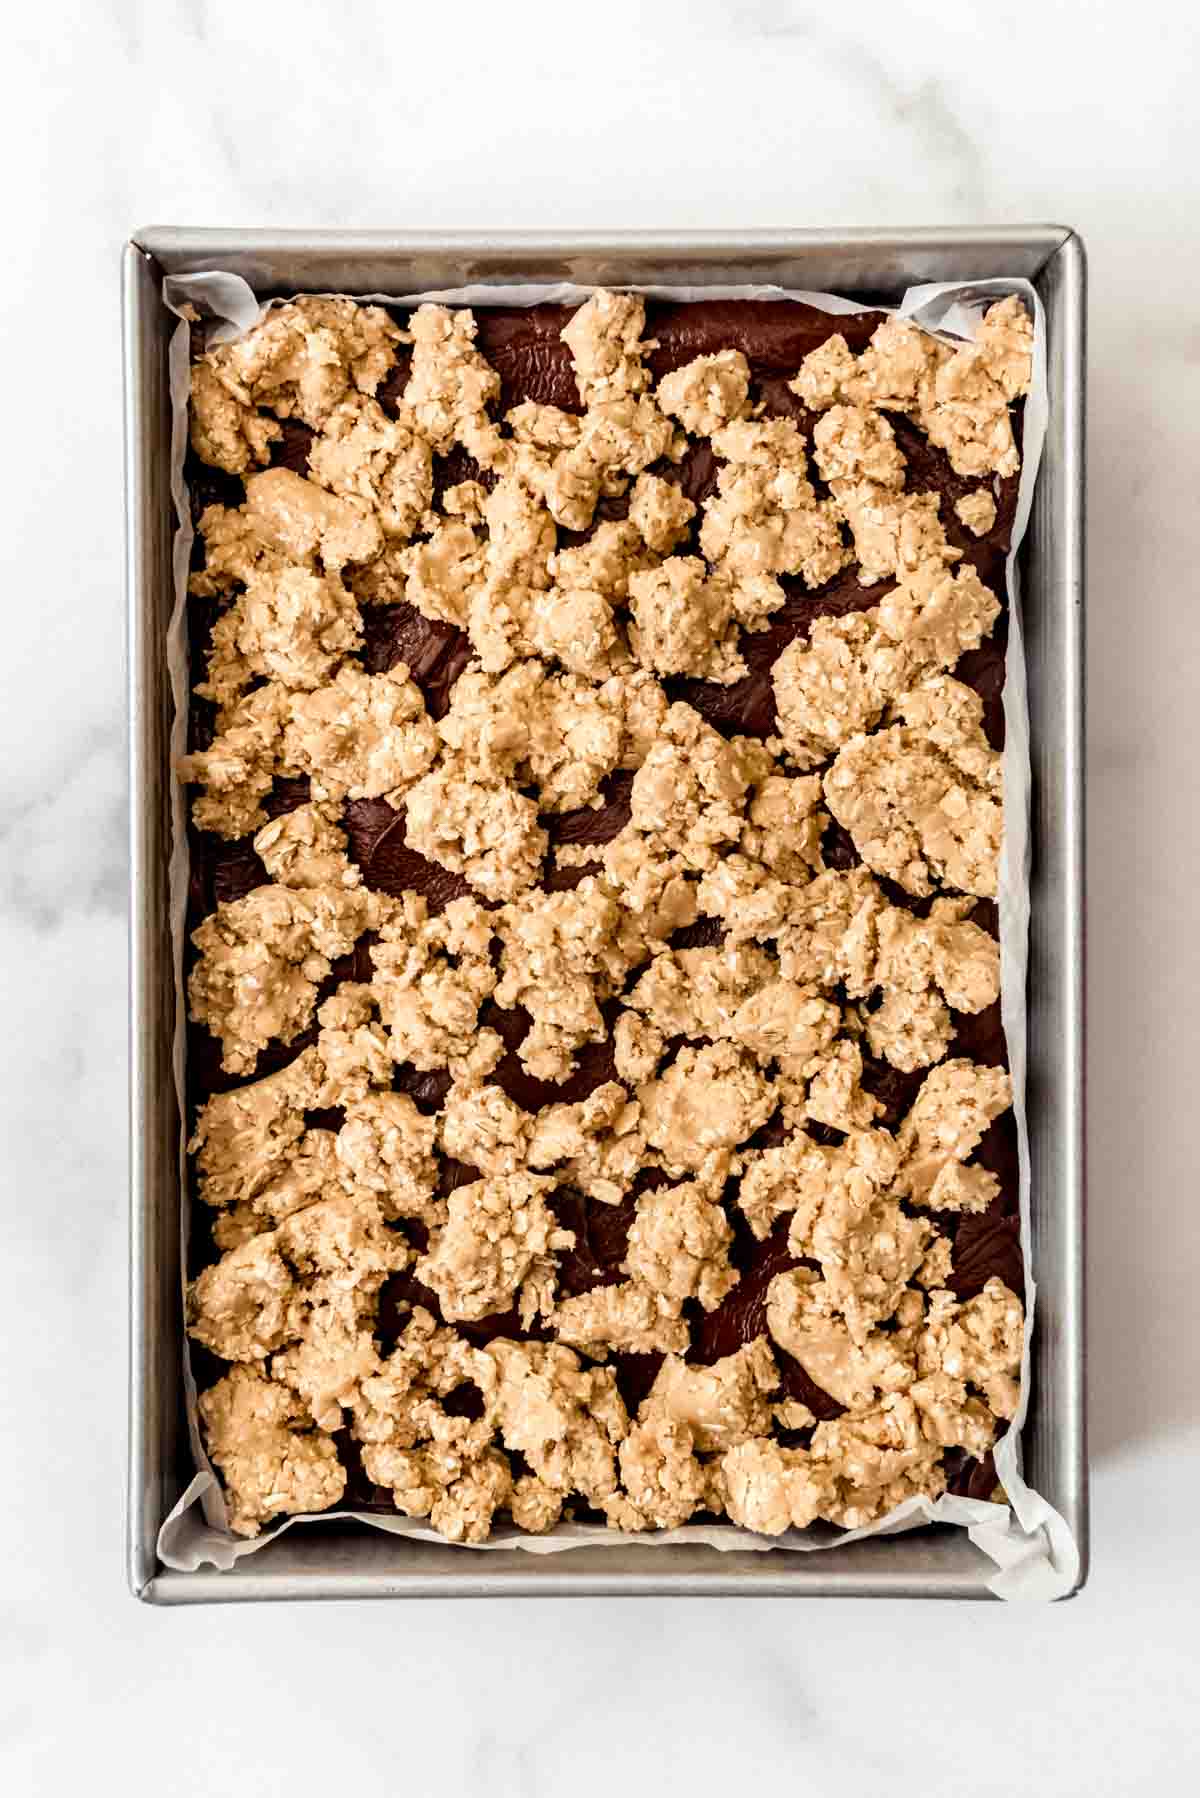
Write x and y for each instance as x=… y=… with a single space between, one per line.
x=345 y=1561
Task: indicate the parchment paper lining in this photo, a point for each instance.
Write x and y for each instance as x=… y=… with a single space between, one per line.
x=1034 y=1552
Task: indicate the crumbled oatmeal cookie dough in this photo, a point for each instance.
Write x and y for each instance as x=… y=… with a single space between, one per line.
x=679 y=1245
x=736 y=993
x=721 y=1405
x=717 y=1089
x=451 y=386
x=705 y=394
x=431 y=976
x=485 y=1129
x=284 y=520
x=361 y=736
x=834 y=1095
x=687 y=808
x=227 y=430
x=365 y=736
x=258 y=1296
x=442 y=571
x=960 y=397
x=479 y=826
x=605 y=341
x=957 y=1101
x=238 y=770
x=894 y=532
x=978 y=1343
x=496 y=1249
x=835 y=684
x=683 y=621
x=616 y=549
x=660 y=511
x=638 y=1047
x=437 y=1462
x=707 y=1102
x=569 y=462
x=382 y=464
x=923 y=966
x=274 y=1463
x=922 y=799
x=596 y=1145
x=873 y=1461
x=809 y=1181
x=299 y=361
x=307 y=1173
x=564 y=1418
x=852 y=669
x=262 y=959
x=556 y=732
x=977 y=511
x=765 y=518
x=253 y=1151
x=856 y=453
x=803 y=1321
x=843 y=933
x=626 y=1318
x=662 y=1481
x=245 y=1137
x=562 y=955
x=386 y=1148
x=770 y=1489
x=306 y=848
x=295 y=626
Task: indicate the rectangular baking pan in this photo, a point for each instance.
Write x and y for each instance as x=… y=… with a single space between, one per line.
x=346 y=1561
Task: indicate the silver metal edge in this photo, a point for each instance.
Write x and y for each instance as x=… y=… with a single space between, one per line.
x=166 y=242
x=139 y=1551
x=547 y=1580
x=1051 y=254
x=871 y=262
x=1064 y=287
x=171 y=245
x=155 y=1425
x=1073 y=258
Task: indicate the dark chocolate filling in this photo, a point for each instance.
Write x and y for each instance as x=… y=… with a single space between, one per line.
x=524 y=346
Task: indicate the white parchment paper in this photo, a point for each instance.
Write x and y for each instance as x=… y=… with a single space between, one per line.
x=1034 y=1552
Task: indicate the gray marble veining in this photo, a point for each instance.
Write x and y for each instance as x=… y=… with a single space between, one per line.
x=688 y=113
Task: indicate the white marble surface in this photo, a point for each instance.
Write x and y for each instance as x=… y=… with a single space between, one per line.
x=118 y=115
